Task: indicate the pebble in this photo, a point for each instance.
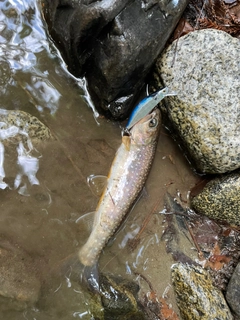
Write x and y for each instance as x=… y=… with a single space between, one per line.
x=203 y=68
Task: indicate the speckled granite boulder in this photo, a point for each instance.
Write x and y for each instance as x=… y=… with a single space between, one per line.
x=196 y=296
x=220 y=199
x=233 y=291
x=203 y=67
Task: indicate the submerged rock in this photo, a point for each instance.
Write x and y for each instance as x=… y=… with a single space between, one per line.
x=233 y=291
x=197 y=298
x=220 y=199
x=20 y=132
x=16 y=125
x=19 y=287
x=113 y=43
x=119 y=298
x=203 y=68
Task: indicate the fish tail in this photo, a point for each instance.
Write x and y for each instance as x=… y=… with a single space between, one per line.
x=72 y=269
x=90 y=278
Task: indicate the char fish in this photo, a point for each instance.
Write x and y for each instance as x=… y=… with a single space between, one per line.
x=125 y=180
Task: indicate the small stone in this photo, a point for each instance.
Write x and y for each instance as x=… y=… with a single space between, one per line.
x=197 y=298
x=220 y=199
x=203 y=68
x=233 y=291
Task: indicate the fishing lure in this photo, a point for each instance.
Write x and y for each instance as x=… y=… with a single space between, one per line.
x=146 y=105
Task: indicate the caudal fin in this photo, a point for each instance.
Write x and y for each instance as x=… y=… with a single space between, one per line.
x=90 y=278
x=72 y=269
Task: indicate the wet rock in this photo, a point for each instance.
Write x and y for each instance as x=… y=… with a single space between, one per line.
x=113 y=43
x=176 y=234
x=16 y=125
x=196 y=296
x=119 y=298
x=19 y=287
x=203 y=68
x=233 y=291
x=220 y=199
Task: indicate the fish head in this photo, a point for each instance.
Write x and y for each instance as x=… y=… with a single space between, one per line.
x=146 y=130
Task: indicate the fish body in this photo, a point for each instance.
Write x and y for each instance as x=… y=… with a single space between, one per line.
x=126 y=178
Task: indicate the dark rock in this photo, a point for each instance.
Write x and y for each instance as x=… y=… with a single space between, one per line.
x=176 y=234
x=119 y=298
x=233 y=291
x=113 y=43
x=220 y=199
x=196 y=296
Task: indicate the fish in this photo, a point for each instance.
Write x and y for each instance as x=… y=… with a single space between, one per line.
x=125 y=180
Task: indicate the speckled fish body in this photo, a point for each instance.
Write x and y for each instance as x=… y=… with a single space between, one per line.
x=126 y=178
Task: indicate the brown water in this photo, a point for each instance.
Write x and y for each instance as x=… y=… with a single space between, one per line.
x=44 y=221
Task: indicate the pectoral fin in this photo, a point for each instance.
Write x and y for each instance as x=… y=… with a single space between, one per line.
x=97 y=184
x=87 y=220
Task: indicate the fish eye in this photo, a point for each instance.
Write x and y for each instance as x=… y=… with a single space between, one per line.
x=153 y=123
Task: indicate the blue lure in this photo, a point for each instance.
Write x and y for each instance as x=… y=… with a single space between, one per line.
x=146 y=105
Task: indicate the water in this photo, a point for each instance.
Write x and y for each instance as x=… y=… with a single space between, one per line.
x=42 y=220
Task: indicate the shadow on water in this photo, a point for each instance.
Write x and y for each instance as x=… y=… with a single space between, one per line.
x=42 y=220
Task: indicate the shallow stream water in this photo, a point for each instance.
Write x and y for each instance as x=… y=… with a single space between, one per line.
x=43 y=221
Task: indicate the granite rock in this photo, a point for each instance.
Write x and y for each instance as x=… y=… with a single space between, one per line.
x=197 y=298
x=233 y=291
x=220 y=199
x=203 y=68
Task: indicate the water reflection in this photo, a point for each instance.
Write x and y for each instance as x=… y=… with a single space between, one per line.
x=25 y=52
x=3 y=184
x=22 y=40
x=22 y=34
x=28 y=166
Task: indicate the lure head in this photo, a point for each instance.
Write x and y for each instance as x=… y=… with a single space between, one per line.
x=147 y=105
x=146 y=130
